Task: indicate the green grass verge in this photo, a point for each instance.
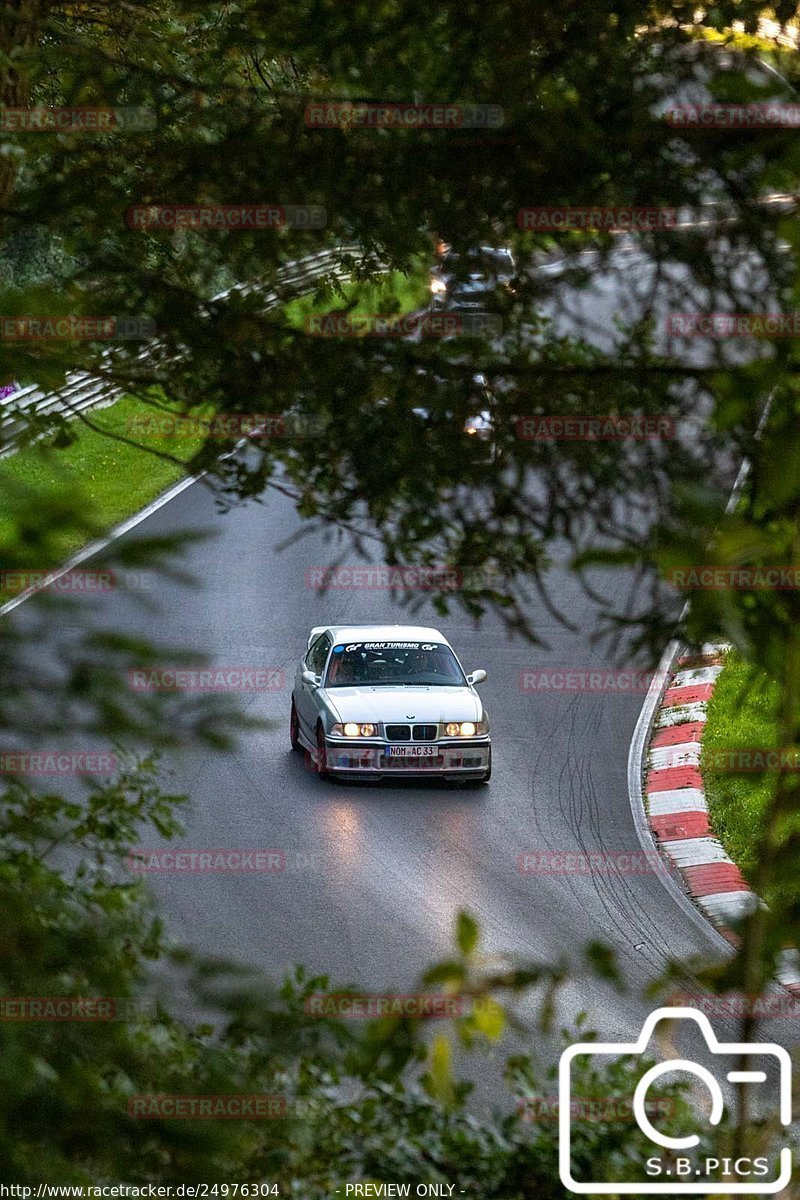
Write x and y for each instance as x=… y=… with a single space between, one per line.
x=391 y=293
x=742 y=715
x=112 y=480
x=734 y=39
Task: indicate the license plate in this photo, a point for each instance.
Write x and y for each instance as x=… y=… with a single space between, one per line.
x=412 y=751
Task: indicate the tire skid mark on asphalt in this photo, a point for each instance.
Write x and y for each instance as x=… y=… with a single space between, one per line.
x=545 y=750
x=571 y=811
x=613 y=887
x=579 y=807
x=581 y=796
x=623 y=909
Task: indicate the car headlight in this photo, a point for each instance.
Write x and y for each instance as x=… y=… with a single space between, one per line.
x=461 y=729
x=438 y=287
x=353 y=729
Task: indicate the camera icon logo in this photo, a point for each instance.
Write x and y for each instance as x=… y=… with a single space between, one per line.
x=701 y=1175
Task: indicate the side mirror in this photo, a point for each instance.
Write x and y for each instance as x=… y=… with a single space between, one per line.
x=311 y=679
x=476 y=677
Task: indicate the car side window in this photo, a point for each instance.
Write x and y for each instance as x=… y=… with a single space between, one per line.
x=317 y=655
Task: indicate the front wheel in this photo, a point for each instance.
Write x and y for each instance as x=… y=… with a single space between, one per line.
x=294 y=730
x=488 y=774
x=322 y=754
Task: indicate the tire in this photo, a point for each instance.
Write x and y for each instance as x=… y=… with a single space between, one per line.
x=488 y=774
x=322 y=753
x=294 y=730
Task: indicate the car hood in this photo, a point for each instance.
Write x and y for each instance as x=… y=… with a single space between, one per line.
x=395 y=704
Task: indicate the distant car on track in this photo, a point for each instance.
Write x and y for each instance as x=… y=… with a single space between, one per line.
x=389 y=700
x=480 y=424
x=467 y=282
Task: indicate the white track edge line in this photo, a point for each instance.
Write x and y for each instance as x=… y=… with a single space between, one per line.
x=100 y=544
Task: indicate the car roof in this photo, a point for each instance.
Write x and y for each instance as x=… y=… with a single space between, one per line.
x=386 y=633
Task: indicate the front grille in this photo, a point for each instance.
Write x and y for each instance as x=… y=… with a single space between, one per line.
x=398 y=733
x=425 y=733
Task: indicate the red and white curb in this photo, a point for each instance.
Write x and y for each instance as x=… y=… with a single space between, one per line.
x=677 y=811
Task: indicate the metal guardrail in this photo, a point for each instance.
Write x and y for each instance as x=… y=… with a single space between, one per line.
x=83 y=390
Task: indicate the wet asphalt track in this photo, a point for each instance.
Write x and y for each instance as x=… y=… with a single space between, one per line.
x=375 y=874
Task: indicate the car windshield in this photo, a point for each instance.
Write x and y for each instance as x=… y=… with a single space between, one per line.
x=367 y=664
x=483 y=261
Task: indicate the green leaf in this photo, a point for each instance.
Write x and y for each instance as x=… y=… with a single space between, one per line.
x=440 y=1062
x=466 y=933
x=489 y=1018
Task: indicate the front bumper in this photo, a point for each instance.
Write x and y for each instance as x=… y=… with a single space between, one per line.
x=465 y=757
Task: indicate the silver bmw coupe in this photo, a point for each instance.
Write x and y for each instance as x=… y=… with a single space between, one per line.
x=389 y=700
